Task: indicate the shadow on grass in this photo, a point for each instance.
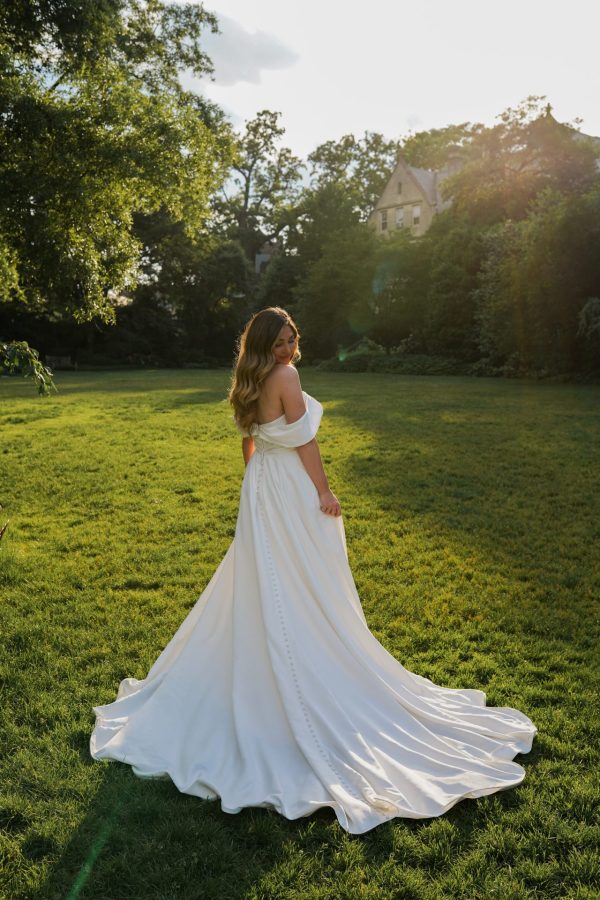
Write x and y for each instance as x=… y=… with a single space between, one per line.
x=142 y=839
x=500 y=475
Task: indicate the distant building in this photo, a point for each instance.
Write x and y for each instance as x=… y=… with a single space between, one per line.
x=412 y=197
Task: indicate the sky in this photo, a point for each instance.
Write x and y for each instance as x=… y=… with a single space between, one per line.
x=333 y=68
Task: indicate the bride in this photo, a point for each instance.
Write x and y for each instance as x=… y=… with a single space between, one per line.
x=273 y=692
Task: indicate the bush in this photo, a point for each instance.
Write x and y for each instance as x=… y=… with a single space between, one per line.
x=399 y=363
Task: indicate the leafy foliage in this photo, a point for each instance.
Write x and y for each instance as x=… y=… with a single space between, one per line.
x=400 y=286
x=361 y=166
x=509 y=164
x=131 y=201
x=535 y=281
x=264 y=186
x=501 y=278
x=430 y=149
x=17 y=357
x=333 y=298
x=96 y=128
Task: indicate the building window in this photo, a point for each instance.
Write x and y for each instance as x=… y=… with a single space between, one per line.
x=384 y=219
x=399 y=187
x=399 y=217
x=416 y=215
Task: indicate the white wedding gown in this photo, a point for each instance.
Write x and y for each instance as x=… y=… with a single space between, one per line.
x=273 y=692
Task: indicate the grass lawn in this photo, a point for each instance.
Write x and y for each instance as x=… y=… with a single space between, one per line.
x=472 y=517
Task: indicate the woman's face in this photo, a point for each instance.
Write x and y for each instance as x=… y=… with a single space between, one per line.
x=285 y=345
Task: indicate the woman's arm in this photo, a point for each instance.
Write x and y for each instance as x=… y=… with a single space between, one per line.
x=247 y=449
x=292 y=401
x=312 y=462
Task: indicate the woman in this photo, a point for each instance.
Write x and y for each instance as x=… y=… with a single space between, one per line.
x=273 y=692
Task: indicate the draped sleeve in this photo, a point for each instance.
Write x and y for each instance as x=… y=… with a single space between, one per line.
x=294 y=434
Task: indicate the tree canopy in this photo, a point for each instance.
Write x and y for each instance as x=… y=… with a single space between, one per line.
x=507 y=165
x=256 y=203
x=360 y=165
x=132 y=207
x=95 y=128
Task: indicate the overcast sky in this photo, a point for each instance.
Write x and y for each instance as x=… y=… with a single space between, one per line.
x=397 y=67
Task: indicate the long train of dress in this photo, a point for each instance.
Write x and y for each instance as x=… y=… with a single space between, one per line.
x=273 y=691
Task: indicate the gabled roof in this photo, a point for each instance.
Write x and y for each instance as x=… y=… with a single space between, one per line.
x=429 y=180
x=426 y=179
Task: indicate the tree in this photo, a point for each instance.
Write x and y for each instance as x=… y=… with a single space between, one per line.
x=536 y=280
x=19 y=357
x=320 y=213
x=454 y=247
x=277 y=284
x=588 y=333
x=205 y=286
x=507 y=165
x=264 y=186
x=400 y=286
x=430 y=149
x=333 y=299
x=96 y=127
x=361 y=167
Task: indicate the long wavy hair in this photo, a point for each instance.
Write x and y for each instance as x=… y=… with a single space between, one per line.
x=255 y=359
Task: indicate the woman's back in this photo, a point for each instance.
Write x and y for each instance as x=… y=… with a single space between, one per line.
x=269 y=405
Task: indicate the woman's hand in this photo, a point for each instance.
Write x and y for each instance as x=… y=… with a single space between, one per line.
x=330 y=504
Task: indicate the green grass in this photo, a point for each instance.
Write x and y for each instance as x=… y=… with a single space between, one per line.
x=471 y=514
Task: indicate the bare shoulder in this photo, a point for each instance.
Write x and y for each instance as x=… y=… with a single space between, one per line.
x=286 y=385
x=283 y=376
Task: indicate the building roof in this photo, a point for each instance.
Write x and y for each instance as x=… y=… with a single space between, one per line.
x=427 y=181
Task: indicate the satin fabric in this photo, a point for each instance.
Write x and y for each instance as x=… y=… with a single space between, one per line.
x=274 y=693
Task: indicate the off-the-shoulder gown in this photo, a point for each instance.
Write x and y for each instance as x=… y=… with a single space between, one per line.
x=273 y=692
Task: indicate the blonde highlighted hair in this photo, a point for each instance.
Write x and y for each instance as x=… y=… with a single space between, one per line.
x=255 y=359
